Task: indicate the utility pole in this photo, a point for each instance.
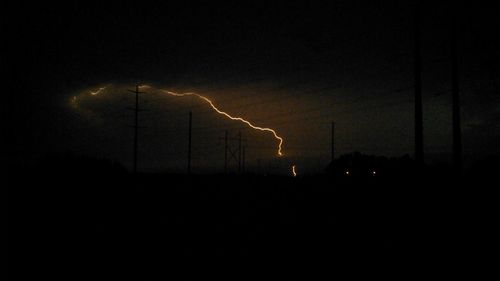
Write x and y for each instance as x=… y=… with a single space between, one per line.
x=419 y=139
x=225 y=152
x=239 y=152
x=189 y=142
x=136 y=123
x=243 y=160
x=235 y=154
x=457 y=132
x=333 y=141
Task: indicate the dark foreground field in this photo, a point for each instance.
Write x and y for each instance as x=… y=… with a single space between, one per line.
x=89 y=222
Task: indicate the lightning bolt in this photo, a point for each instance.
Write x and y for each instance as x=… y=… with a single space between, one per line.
x=216 y=109
x=280 y=139
x=98 y=91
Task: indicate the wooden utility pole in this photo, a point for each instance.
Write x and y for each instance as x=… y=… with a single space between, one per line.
x=225 y=152
x=457 y=131
x=136 y=123
x=419 y=139
x=239 y=152
x=189 y=142
x=333 y=141
x=243 y=160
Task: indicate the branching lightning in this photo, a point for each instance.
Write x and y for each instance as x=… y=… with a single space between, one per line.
x=231 y=117
x=75 y=100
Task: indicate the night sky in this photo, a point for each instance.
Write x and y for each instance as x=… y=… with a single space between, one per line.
x=292 y=66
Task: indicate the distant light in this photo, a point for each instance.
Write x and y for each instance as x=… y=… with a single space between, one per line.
x=74 y=101
x=293 y=171
x=374 y=173
x=347 y=172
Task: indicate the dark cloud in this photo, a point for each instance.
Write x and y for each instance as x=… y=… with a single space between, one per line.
x=296 y=66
